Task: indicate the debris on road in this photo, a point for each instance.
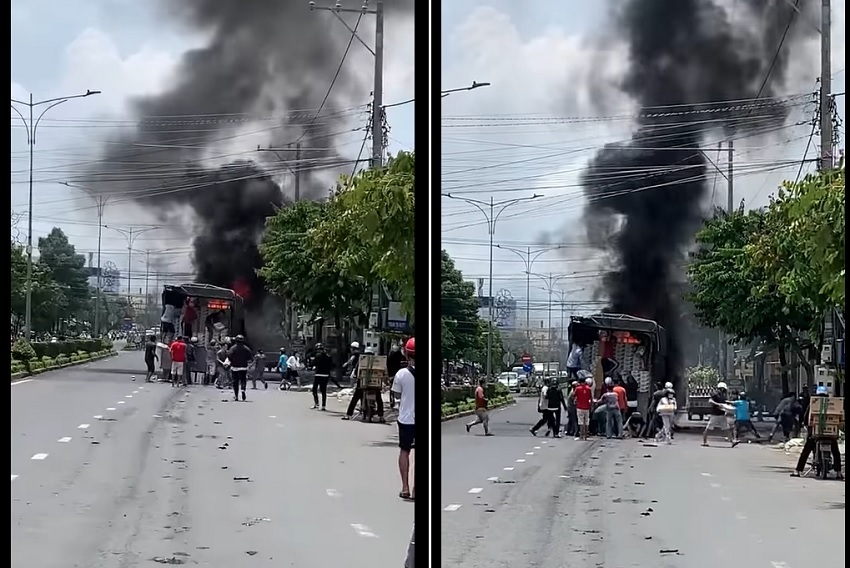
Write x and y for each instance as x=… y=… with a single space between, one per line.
x=255 y=521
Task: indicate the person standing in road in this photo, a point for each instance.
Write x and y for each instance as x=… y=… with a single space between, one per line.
x=283 y=370
x=613 y=418
x=666 y=410
x=555 y=401
x=482 y=416
x=572 y=417
x=293 y=364
x=322 y=365
x=258 y=369
x=743 y=423
x=718 y=420
x=177 y=349
x=403 y=386
x=240 y=357
x=222 y=370
x=395 y=361
x=150 y=358
x=584 y=401
x=622 y=399
x=190 y=361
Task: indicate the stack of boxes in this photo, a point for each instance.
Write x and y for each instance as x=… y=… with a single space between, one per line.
x=826 y=416
x=626 y=355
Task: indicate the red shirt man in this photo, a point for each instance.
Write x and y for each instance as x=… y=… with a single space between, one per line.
x=621 y=397
x=480 y=398
x=584 y=397
x=178 y=351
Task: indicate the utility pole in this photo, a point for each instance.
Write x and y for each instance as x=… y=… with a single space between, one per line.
x=378 y=53
x=728 y=347
x=101 y=203
x=131 y=234
x=31 y=127
x=147 y=290
x=297 y=171
x=826 y=150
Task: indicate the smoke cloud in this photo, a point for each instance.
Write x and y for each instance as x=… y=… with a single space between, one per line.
x=262 y=73
x=644 y=196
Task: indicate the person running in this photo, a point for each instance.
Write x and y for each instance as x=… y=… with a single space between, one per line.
x=240 y=357
x=177 y=349
x=283 y=370
x=743 y=423
x=258 y=369
x=322 y=365
x=403 y=386
x=150 y=358
x=293 y=364
x=547 y=416
x=584 y=402
x=481 y=415
x=718 y=420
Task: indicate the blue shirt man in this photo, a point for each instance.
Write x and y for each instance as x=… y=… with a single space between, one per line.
x=742 y=409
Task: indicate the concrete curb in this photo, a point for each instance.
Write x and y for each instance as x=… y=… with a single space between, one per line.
x=25 y=374
x=471 y=412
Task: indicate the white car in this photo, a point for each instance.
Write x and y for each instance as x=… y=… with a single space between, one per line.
x=510 y=380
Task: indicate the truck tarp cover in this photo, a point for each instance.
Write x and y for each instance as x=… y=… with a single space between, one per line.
x=203 y=291
x=580 y=326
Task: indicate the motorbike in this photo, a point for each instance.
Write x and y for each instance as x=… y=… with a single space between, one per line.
x=822 y=458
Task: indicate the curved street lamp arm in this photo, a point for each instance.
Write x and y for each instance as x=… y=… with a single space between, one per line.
x=35 y=126
x=517 y=252
x=26 y=124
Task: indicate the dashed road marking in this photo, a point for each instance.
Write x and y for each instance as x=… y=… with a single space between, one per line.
x=520 y=461
x=364 y=531
x=64 y=440
x=272 y=416
x=157 y=416
x=39 y=457
x=83 y=426
x=450 y=508
x=715 y=485
x=564 y=476
x=508 y=469
x=332 y=493
x=476 y=490
x=111 y=408
x=725 y=498
x=121 y=402
x=705 y=474
x=537 y=447
x=14 y=477
x=98 y=417
x=494 y=479
x=529 y=453
x=128 y=396
x=776 y=564
x=740 y=516
x=22 y=381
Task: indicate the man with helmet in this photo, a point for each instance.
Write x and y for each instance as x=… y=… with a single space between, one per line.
x=718 y=421
x=811 y=444
x=240 y=357
x=351 y=367
x=403 y=386
x=322 y=365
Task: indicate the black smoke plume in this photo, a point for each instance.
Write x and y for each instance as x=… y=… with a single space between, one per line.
x=265 y=67
x=644 y=196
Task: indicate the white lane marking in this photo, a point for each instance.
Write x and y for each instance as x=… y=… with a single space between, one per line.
x=272 y=416
x=332 y=492
x=22 y=381
x=537 y=447
x=157 y=416
x=121 y=402
x=564 y=476
x=111 y=408
x=776 y=564
x=135 y=392
x=364 y=531
x=520 y=461
x=544 y=441
x=740 y=516
x=128 y=396
x=14 y=477
x=83 y=426
x=529 y=453
x=450 y=508
x=39 y=457
x=98 y=417
x=476 y=490
x=64 y=440
x=705 y=474
x=508 y=469
x=725 y=498
x=492 y=479
x=715 y=485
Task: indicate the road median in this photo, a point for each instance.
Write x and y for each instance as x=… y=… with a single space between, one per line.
x=47 y=364
x=499 y=403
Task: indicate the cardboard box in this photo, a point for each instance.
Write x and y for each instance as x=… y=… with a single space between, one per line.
x=828 y=430
x=372 y=371
x=824 y=405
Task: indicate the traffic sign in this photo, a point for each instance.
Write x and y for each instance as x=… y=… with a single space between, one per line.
x=508 y=359
x=528 y=368
x=526 y=358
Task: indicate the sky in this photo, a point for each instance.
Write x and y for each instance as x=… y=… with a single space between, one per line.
x=127 y=49
x=540 y=58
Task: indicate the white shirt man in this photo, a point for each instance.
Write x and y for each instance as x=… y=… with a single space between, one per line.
x=403 y=387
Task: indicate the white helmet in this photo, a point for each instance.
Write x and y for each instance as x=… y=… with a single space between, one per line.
x=721 y=386
x=609 y=381
x=668 y=385
x=588 y=381
x=355 y=345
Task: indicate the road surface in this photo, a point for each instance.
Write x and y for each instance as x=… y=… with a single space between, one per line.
x=514 y=500
x=109 y=472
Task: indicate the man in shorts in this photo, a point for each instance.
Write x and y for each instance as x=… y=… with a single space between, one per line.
x=178 y=361
x=403 y=386
x=718 y=421
x=584 y=400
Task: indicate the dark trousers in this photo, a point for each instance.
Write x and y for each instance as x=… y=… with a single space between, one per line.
x=809 y=447
x=547 y=419
x=556 y=418
x=358 y=396
x=320 y=383
x=572 y=421
x=240 y=380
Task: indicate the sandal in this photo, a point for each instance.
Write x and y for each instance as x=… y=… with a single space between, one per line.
x=405 y=496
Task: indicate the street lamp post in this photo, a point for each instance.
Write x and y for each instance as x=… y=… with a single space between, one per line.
x=529 y=257
x=475 y=85
x=31 y=128
x=131 y=234
x=496 y=208
x=561 y=295
x=550 y=280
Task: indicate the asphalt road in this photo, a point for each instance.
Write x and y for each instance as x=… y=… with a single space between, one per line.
x=108 y=472
x=621 y=504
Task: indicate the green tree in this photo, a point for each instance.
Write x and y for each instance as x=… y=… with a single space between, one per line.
x=48 y=299
x=292 y=269
x=67 y=269
x=460 y=326
x=734 y=292
x=368 y=232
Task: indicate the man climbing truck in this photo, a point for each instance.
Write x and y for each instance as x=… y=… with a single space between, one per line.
x=620 y=344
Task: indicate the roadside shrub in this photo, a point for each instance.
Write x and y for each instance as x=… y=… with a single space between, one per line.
x=22 y=350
